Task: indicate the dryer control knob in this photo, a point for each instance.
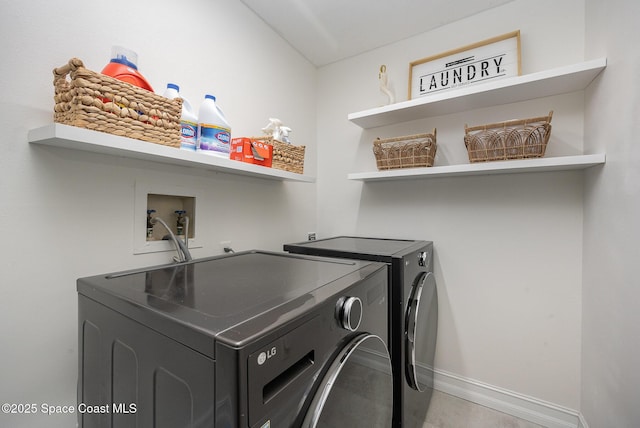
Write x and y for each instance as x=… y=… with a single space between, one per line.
x=349 y=313
x=423 y=258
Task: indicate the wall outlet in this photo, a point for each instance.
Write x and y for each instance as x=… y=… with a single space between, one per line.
x=311 y=236
x=226 y=246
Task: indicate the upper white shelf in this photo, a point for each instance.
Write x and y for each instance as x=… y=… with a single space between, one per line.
x=557 y=81
x=71 y=137
x=560 y=163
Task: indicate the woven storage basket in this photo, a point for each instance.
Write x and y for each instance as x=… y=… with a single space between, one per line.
x=411 y=151
x=514 y=139
x=286 y=157
x=101 y=103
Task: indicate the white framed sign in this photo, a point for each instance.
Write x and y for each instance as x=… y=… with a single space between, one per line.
x=483 y=61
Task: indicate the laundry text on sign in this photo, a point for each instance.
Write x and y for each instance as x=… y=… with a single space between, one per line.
x=462 y=72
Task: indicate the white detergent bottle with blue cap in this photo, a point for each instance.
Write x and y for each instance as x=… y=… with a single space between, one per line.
x=188 y=119
x=214 y=132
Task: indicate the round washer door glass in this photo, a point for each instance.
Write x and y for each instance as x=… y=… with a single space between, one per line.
x=421 y=326
x=357 y=390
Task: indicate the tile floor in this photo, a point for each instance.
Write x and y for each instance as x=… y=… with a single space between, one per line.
x=447 y=411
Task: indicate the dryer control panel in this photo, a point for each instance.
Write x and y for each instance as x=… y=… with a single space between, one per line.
x=425 y=258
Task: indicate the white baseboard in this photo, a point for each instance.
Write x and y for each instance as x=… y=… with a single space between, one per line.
x=528 y=408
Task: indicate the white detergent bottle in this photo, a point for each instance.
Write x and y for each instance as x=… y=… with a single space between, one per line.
x=188 y=119
x=214 y=132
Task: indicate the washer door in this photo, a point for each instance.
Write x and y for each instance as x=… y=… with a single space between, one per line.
x=421 y=325
x=357 y=390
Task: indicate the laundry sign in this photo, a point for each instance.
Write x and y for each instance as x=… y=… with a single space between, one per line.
x=484 y=61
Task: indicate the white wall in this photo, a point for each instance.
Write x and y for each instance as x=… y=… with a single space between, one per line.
x=66 y=214
x=611 y=319
x=507 y=248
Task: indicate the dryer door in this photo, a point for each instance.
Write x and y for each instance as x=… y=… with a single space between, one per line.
x=421 y=325
x=357 y=390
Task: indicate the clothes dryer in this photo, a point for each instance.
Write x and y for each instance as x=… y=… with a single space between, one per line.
x=254 y=339
x=413 y=313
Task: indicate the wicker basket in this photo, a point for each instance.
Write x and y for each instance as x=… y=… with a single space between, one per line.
x=411 y=151
x=286 y=157
x=514 y=139
x=101 y=103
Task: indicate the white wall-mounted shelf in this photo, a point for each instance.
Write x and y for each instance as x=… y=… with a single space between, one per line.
x=71 y=137
x=557 y=81
x=561 y=163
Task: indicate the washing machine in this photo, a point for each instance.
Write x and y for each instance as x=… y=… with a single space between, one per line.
x=255 y=339
x=413 y=313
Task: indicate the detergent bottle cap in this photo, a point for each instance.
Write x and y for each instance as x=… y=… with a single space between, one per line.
x=173 y=86
x=124 y=56
x=211 y=97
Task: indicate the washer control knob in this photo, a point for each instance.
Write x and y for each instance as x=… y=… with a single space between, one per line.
x=349 y=313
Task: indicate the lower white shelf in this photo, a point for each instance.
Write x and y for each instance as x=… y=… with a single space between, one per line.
x=485 y=168
x=71 y=137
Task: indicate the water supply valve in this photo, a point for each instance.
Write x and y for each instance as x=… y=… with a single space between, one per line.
x=180 y=222
x=149 y=224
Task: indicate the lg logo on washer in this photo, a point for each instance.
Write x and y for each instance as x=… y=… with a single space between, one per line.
x=265 y=355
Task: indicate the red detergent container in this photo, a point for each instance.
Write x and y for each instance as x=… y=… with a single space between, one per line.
x=124 y=66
